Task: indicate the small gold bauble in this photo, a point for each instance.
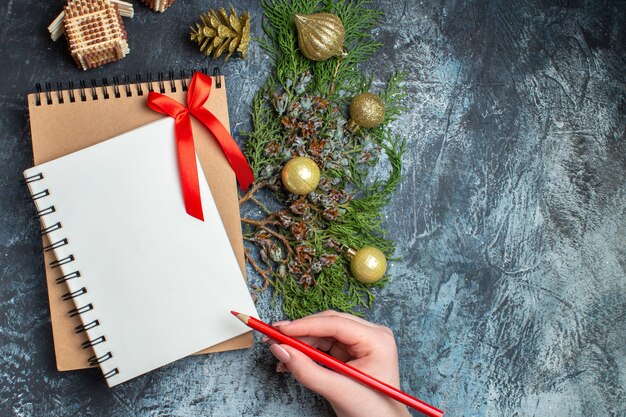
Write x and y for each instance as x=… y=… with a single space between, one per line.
x=320 y=35
x=368 y=264
x=366 y=110
x=301 y=175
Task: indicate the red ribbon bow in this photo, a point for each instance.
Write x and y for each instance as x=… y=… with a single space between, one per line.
x=197 y=95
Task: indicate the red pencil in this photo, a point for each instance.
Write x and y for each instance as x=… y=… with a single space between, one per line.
x=338 y=366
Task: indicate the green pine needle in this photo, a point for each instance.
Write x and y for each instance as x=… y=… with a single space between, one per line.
x=360 y=222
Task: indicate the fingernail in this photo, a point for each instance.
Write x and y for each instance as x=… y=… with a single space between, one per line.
x=281 y=323
x=265 y=339
x=280 y=353
x=281 y=368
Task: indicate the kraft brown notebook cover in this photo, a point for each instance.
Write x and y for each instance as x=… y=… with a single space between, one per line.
x=69 y=120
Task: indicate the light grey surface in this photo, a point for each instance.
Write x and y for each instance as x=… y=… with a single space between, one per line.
x=510 y=295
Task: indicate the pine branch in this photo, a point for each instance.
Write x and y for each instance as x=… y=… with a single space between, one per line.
x=394 y=96
x=301 y=111
x=258 y=185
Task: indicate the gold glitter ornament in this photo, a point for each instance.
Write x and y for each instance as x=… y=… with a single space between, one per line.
x=301 y=175
x=320 y=36
x=368 y=264
x=366 y=110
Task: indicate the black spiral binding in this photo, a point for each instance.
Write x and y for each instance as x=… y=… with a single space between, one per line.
x=150 y=86
x=108 y=89
x=87 y=326
x=183 y=78
x=83 y=86
x=95 y=360
x=57 y=263
x=50 y=228
x=116 y=86
x=32 y=178
x=73 y=295
x=71 y=90
x=218 y=77
x=80 y=310
x=111 y=373
x=40 y=194
x=60 y=92
x=69 y=295
x=94 y=89
x=48 y=93
x=91 y=343
x=45 y=211
x=75 y=274
x=55 y=245
x=38 y=94
x=161 y=83
x=127 y=83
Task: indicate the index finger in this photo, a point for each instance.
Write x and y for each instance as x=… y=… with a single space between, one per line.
x=347 y=331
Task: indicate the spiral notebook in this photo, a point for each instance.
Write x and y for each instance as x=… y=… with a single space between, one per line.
x=150 y=283
x=74 y=116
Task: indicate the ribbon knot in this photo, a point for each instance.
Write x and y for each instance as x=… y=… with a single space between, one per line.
x=197 y=94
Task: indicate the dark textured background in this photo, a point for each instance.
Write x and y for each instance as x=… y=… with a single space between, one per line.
x=510 y=297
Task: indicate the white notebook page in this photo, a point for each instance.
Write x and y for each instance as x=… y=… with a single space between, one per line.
x=161 y=282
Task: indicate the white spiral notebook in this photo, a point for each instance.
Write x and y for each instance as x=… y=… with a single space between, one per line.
x=150 y=283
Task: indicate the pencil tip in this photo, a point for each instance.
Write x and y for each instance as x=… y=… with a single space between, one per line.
x=240 y=316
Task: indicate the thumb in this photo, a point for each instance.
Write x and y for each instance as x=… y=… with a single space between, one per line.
x=321 y=380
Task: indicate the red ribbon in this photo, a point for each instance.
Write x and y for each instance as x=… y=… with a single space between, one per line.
x=197 y=95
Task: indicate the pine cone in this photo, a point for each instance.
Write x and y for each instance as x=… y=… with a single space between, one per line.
x=220 y=32
x=158 y=5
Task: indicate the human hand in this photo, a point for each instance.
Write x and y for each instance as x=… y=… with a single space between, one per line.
x=363 y=345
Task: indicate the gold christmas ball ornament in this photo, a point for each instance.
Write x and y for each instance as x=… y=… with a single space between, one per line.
x=368 y=264
x=301 y=175
x=320 y=36
x=366 y=110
